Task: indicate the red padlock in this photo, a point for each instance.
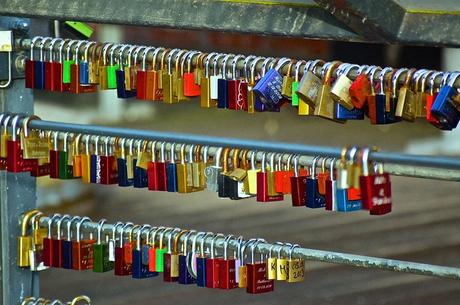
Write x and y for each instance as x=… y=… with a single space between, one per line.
x=171 y=260
x=227 y=272
x=298 y=186
x=54 y=157
x=82 y=250
x=331 y=188
x=257 y=281
x=14 y=159
x=191 y=88
x=360 y=89
x=375 y=188
x=153 y=248
x=233 y=85
x=322 y=177
x=49 y=242
x=262 y=185
x=161 y=170
x=122 y=268
x=152 y=171
x=213 y=266
x=58 y=85
x=4 y=120
x=49 y=66
x=371 y=98
x=141 y=83
x=431 y=97
x=109 y=173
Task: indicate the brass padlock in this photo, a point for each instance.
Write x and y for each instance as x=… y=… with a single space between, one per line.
x=340 y=90
x=198 y=166
x=286 y=86
x=103 y=78
x=296 y=267
x=310 y=84
x=405 y=107
x=325 y=106
x=25 y=241
x=181 y=173
x=93 y=65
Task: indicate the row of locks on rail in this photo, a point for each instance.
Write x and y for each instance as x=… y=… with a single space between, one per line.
x=178 y=75
x=79 y=300
x=350 y=183
x=143 y=251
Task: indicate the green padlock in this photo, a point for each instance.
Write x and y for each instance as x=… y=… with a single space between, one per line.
x=101 y=251
x=65 y=170
x=112 y=68
x=295 y=83
x=68 y=61
x=160 y=252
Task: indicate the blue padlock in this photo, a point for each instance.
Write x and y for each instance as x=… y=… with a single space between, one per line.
x=201 y=262
x=171 y=171
x=39 y=67
x=185 y=274
x=343 y=113
x=84 y=65
x=345 y=205
x=66 y=251
x=222 y=88
x=140 y=270
x=140 y=174
x=120 y=76
x=95 y=163
x=314 y=199
x=123 y=177
x=445 y=109
x=268 y=88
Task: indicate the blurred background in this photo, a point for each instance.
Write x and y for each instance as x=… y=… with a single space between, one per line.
x=423 y=226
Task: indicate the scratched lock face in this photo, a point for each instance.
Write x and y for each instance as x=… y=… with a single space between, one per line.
x=211 y=174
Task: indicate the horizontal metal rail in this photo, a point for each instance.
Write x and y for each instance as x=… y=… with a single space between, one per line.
x=435 y=167
x=307 y=254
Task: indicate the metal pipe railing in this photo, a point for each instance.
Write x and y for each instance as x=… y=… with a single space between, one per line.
x=308 y=254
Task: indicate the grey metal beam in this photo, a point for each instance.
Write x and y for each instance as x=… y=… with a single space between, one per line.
x=421 y=22
x=308 y=254
x=402 y=164
x=301 y=18
x=17 y=194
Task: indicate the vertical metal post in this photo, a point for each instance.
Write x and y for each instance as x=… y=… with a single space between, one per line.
x=17 y=195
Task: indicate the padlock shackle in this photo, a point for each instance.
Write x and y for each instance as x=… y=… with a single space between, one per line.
x=51 y=48
x=215 y=62
x=203 y=239
x=139 y=235
x=207 y=60
x=153 y=150
x=50 y=224
x=254 y=63
x=291 y=250
x=114 y=230
x=84 y=219
x=382 y=75
x=155 y=56
x=265 y=63
x=246 y=66
x=130 y=54
x=100 y=224
x=122 y=231
x=144 y=57
x=183 y=60
x=217 y=157
x=59 y=223
x=432 y=80
x=282 y=248
x=226 y=240
x=172 y=153
x=191 y=153
x=81 y=298
x=243 y=248
x=235 y=64
x=162 y=152
x=395 y=80
x=69 y=226
x=14 y=125
x=154 y=234
x=25 y=124
x=185 y=243
x=25 y=221
x=313 y=167
x=177 y=239
x=212 y=243
x=224 y=65
x=121 y=62
x=170 y=236
x=138 y=49
x=253 y=248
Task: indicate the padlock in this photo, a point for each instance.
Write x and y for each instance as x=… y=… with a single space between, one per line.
x=191 y=88
x=185 y=276
x=195 y=169
x=375 y=188
x=242 y=269
x=129 y=245
x=205 y=87
x=54 y=157
x=391 y=111
x=445 y=108
x=57 y=74
x=160 y=252
x=4 y=137
x=82 y=250
x=113 y=242
x=94 y=63
x=77 y=164
x=171 y=258
x=84 y=64
x=281 y=264
x=49 y=65
x=295 y=83
x=30 y=64
x=259 y=105
x=169 y=78
x=419 y=92
x=95 y=163
x=405 y=107
x=257 y=281
x=271 y=262
x=251 y=97
x=152 y=169
x=361 y=87
x=263 y=178
x=109 y=174
x=36 y=253
x=227 y=265
x=161 y=170
x=286 y=85
x=101 y=261
x=224 y=180
x=201 y=262
x=199 y=164
x=340 y=91
x=309 y=87
x=325 y=106
x=214 y=80
x=141 y=91
x=48 y=243
x=377 y=109
x=122 y=267
x=103 y=80
x=280 y=174
x=140 y=270
x=191 y=260
x=149 y=257
x=35 y=146
x=298 y=185
x=153 y=91
x=65 y=170
x=430 y=98
x=25 y=241
x=85 y=161
x=56 y=255
x=182 y=172
x=322 y=177
x=313 y=198
x=66 y=68
x=212 y=172
x=120 y=74
x=252 y=175
x=331 y=188
x=39 y=79
x=66 y=245
x=124 y=178
x=171 y=172
x=213 y=265
x=238 y=187
x=234 y=88
x=271 y=178
x=131 y=82
x=113 y=67
x=222 y=89
x=178 y=81
x=14 y=158
x=80 y=298
x=348 y=197
x=296 y=267
x=140 y=165
x=75 y=83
